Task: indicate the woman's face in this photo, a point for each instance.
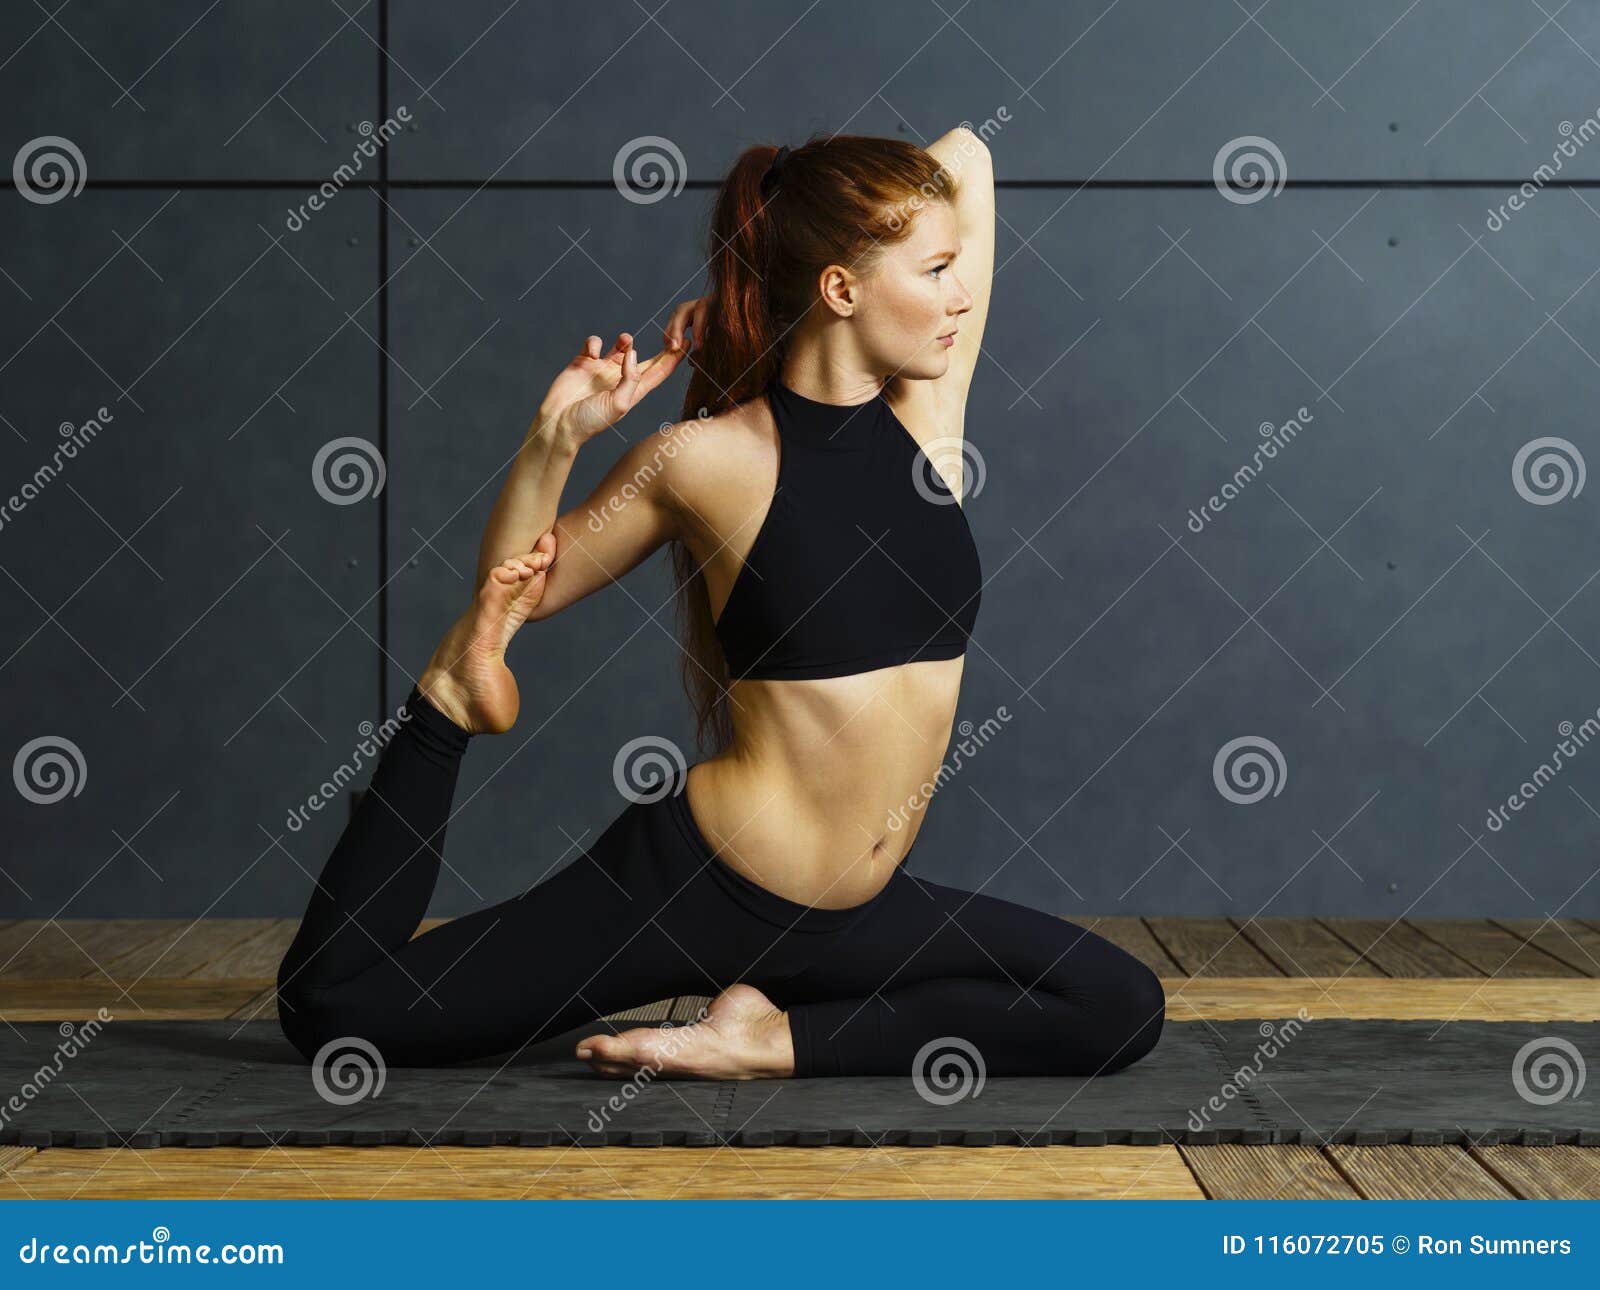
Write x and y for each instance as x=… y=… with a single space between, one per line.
x=912 y=300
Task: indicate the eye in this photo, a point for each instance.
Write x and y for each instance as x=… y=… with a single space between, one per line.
x=939 y=268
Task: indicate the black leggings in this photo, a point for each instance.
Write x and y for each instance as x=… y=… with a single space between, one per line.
x=649 y=912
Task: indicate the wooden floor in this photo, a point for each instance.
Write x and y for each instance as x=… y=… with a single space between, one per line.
x=1212 y=968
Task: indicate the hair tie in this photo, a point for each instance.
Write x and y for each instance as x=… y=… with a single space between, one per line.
x=776 y=167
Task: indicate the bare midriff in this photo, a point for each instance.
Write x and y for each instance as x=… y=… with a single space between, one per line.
x=823 y=789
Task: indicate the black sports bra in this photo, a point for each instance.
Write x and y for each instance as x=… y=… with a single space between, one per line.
x=864 y=560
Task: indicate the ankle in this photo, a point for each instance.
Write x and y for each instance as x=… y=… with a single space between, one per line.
x=441 y=689
x=780 y=1045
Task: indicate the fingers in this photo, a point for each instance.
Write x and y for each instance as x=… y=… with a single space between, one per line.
x=591 y=347
x=681 y=317
x=627 y=391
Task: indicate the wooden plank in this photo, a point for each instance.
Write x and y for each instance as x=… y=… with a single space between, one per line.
x=1188 y=999
x=1303 y=947
x=659 y=1172
x=650 y=1012
x=1397 y=948
x=1210 y=947
x=1295 y=1171
x=1562 y=938
x=150 y=1000
x=185 y=946
x=256 y=958
x=1544 y=1173
x=11 y=1157
x=1491 y=949
x=1416 y=1173
x=1429 y=998
x=1132 y=935
x=687 y=1008
x=71 y=947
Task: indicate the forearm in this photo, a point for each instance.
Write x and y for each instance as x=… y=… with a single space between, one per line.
x=530 y=498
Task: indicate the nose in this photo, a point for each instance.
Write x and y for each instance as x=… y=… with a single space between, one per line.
x=962 y=300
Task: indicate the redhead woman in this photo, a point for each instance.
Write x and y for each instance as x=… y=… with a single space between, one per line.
x=829 y=585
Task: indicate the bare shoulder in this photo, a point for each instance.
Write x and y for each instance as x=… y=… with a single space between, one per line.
x=712 y=465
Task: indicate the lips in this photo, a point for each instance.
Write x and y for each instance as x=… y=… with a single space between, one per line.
x=948 y=339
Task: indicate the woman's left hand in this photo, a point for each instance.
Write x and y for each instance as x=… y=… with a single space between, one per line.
x=593 y=392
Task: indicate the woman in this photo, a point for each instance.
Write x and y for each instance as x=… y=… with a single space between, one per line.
x=828 y=584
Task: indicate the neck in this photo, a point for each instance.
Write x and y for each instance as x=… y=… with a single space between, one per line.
x=826 y=366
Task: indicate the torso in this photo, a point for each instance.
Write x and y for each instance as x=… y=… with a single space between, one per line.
x=823 y=789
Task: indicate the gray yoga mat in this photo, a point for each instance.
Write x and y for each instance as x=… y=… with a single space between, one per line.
x=222 y=1083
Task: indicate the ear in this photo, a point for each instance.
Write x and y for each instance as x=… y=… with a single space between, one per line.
x=840 y=290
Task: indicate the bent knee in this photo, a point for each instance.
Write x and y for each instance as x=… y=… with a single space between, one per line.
x=1134 y=1012
x=312 y=1017
x=1120 y=1022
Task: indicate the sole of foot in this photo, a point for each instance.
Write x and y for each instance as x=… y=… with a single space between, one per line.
x=743 y=1035
x=467 y=678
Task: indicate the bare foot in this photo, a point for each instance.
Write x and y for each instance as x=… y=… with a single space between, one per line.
x=743 y=1036
x=467 y=678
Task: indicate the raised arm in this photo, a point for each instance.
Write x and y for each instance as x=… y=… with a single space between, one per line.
x=966 y=156
x=589 y=394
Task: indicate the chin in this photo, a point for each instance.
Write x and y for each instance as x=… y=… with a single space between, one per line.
x=926 y=368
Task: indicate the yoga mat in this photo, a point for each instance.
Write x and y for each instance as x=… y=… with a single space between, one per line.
x=223 y=1083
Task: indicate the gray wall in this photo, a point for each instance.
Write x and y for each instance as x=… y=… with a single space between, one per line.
x=1381 y=602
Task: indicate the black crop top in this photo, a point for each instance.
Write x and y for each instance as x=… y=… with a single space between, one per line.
x=864 y=560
